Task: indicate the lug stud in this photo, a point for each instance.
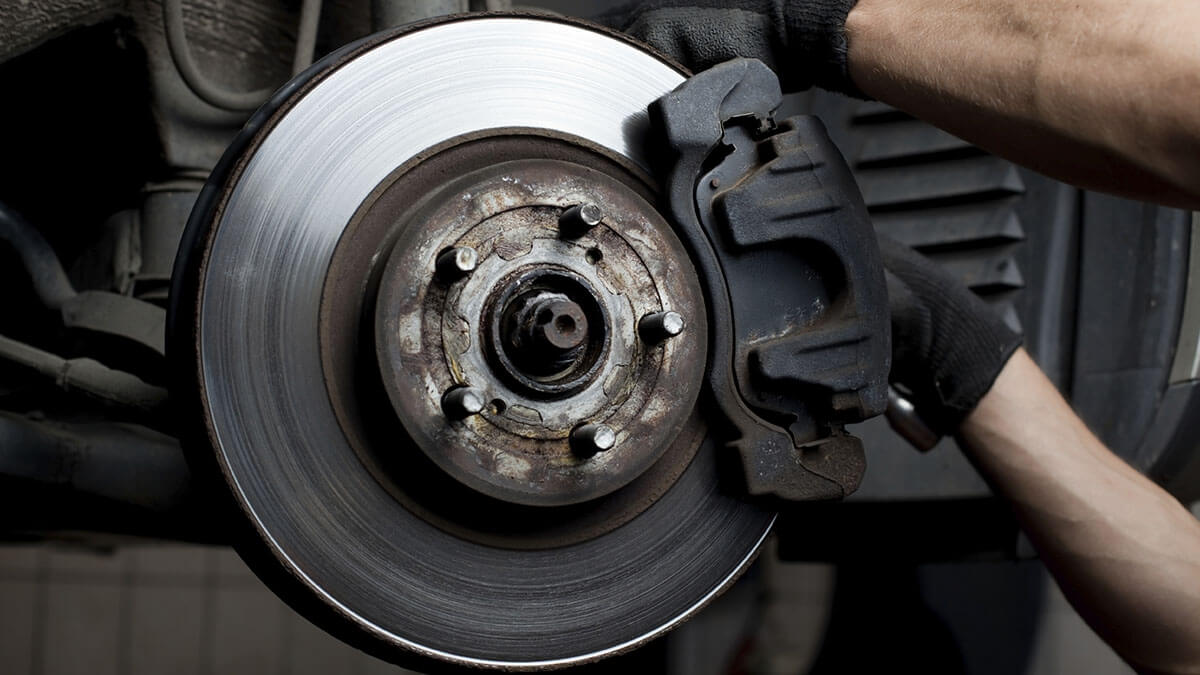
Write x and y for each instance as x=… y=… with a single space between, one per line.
x=462 y=401
x=579 y=219
x=660 y=326
x=589 y=439
x=456 y=263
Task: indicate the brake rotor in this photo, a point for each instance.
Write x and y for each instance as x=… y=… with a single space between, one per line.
x=446 y=354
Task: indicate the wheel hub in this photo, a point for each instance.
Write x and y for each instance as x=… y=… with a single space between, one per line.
x=542 y=336
x=544 y=328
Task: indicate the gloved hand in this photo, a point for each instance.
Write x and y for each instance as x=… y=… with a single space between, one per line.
x=803 y=41
x=947 y=345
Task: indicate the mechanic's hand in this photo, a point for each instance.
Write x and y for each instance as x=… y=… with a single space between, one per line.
x=947 y=345
x=803 y=41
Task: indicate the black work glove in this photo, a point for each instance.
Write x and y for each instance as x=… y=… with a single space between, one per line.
x=947 y=345
x=803 y=41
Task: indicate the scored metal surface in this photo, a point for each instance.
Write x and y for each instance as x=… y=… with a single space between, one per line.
x=321 y=512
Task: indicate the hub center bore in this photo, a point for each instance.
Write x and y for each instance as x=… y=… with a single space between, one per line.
x=548 y=331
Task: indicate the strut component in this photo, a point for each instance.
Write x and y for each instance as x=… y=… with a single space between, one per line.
x=765 y=204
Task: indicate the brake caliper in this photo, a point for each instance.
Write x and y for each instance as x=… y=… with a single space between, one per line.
x=798 y=316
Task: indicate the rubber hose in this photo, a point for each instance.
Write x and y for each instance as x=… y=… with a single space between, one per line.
x=50 y=281
x=215 y=95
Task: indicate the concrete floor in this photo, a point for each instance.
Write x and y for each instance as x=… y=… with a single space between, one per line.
x=183 y=610
x=153 y=610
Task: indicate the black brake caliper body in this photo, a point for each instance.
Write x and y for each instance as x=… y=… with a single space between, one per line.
x=799 y=342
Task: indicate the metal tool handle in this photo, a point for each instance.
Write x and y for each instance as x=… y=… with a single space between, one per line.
x=903 y=417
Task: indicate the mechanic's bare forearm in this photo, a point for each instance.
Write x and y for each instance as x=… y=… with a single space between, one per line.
x=1104 y=94
x=1125 y=553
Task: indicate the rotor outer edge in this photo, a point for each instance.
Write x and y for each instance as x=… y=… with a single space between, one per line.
x=187 y=381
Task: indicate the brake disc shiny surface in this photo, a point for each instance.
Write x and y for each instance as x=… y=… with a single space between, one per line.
x=321 y=519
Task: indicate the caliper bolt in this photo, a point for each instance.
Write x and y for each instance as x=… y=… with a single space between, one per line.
x=579 y=219
x=660 y=326
x=589 y=439
x=456 y=263
x=462 y=401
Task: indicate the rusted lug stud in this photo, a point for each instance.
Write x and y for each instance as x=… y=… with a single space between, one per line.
x=589 y=439
x=579 y=219
x=462 y=401
x=456 y=263
x=660 y=326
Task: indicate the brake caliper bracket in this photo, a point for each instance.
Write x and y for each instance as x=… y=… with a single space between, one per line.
x=798 y=315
